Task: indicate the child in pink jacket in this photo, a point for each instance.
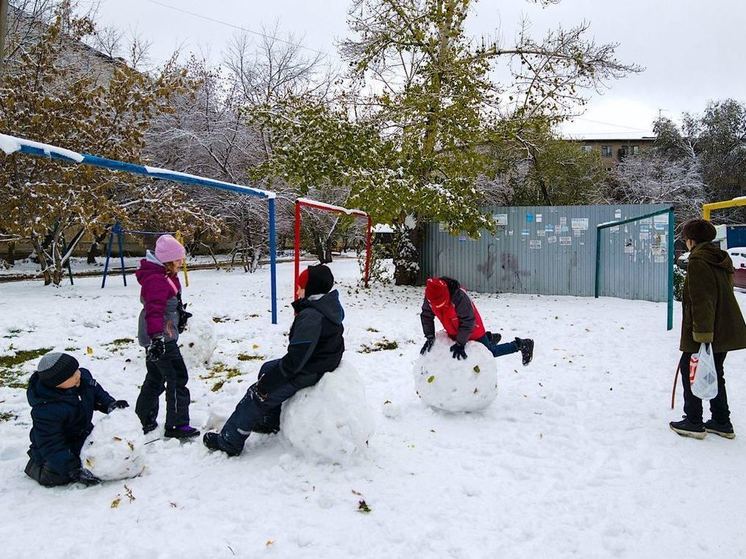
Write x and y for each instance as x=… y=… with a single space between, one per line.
x=162 y=318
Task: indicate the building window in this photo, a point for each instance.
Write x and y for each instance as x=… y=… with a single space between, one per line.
x=606 y=151
x=635 y=150
x=587 y=148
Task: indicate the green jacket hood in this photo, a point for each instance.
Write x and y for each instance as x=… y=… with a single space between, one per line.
x=711 y=254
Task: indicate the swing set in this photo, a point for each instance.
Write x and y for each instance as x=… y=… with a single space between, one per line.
x=119 y=231
x=308 y=203
x=12 y=144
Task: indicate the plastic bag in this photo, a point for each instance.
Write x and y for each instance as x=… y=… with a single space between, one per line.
x=702 y=374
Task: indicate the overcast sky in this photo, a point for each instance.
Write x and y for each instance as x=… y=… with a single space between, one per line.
x=693 y=51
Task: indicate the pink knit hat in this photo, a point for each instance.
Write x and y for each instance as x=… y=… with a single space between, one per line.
x=168 y=249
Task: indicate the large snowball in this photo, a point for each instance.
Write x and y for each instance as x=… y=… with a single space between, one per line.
x=456 y=385
x=198 y=342
x=331 y=420
x=114 y=449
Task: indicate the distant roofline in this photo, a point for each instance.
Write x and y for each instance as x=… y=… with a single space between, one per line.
x=611 y=138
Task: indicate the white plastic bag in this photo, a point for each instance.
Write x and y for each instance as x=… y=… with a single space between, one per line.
x=702 y=374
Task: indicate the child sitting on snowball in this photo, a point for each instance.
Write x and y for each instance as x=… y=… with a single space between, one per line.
x=446 y=299
x=315 y=347
x=62 y=398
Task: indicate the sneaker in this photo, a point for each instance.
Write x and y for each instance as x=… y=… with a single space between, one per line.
x=181 y=432
x=214 y=441
x=687 y=428
x=722 y=429
x=149 y=427
x=526 y=347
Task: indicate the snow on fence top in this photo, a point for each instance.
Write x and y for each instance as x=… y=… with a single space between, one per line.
x=331 y=207
x=11 y=144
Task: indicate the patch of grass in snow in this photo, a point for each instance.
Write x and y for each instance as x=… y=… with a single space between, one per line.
x=10 y=375
x=13 y=333
x=221 y=373
x=380 y=345
x=247 y=357
x=119 y=342
x=7 y=416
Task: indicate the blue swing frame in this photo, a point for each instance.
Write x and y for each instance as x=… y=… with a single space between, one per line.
x=11 y=144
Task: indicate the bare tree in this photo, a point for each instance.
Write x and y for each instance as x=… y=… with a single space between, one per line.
x=653 y=178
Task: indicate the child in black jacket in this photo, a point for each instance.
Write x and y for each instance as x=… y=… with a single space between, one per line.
x=62 y=398
x=315 y=347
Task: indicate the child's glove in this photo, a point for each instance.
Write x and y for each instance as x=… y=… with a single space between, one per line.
x=118 y=404
x=269 y=382
x=156 y=349
x=184 y=316
x=457 y=351
x=84 y=476
x=428 y=346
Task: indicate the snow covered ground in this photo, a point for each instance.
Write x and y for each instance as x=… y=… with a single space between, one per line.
x=573 y=459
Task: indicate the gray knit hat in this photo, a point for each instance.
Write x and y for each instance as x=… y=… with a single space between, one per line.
x=56 y=368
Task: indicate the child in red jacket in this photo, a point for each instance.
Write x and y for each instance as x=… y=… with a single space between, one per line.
x=447 y=300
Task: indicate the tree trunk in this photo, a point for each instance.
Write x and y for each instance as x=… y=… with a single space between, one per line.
x=11 y=257
x=95 y=251
x=42 y=260
x=328 y=251
x=322 y=249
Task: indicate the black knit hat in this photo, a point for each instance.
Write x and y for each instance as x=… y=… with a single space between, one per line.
x=56 y=368
x=699 y=231
x=320 y=280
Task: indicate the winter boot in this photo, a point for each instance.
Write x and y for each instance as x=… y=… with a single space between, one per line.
x=181 y=432
x=722 y=429
x=687 y=428
x=494 y=337
x=149 y=427
x=214 y=441
x=526 y=347
x=265 y=429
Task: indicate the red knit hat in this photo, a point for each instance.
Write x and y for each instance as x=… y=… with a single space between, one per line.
x=436 y=292
x=303 y=279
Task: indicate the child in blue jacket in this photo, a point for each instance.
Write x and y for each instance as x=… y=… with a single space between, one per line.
x=62 y=398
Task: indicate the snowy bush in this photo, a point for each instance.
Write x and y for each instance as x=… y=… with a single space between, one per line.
x=456 y=385
x=114 y=449
x=331 y=420
x=198 y=342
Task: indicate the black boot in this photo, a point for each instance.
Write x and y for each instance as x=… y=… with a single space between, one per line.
x=181 y=432
x=687 y=428
x=722 y=429
x=149 y=427
x=526 y=347
x=494 y=337
x=214 y=441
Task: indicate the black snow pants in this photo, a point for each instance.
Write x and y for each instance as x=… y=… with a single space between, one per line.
x=168 y=374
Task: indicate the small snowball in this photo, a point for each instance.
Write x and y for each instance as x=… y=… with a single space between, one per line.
x=114 y=449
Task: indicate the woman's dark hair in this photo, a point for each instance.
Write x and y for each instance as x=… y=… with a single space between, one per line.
x=699 y=231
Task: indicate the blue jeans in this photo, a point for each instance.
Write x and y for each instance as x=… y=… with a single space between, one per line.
x=252 y=410
x=498 y=350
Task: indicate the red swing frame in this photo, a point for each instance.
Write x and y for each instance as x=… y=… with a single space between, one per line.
x=307 y=202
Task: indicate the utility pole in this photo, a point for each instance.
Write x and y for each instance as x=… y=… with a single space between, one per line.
x=3 y=32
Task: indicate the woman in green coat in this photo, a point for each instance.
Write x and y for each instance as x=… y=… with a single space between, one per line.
x=711 y=315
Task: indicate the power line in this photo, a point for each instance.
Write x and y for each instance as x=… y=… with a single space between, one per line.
x=240 y=28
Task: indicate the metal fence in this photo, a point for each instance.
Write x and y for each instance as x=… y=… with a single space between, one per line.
x=551 y=250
